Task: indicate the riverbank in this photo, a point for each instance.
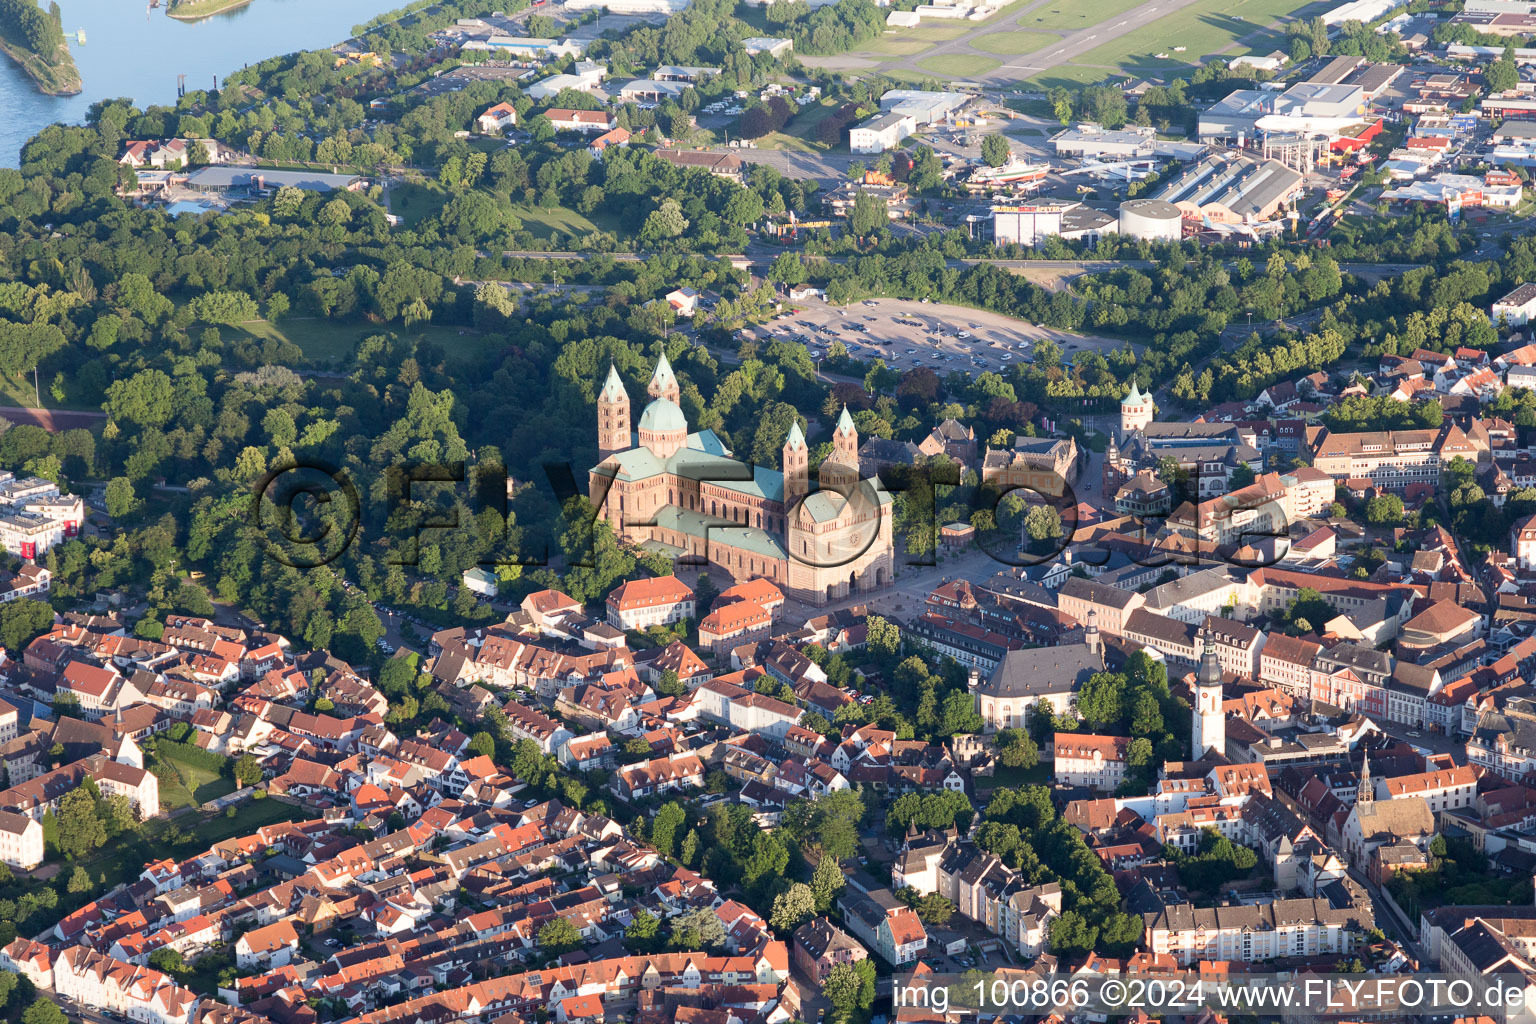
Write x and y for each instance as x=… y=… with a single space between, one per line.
x=56 y=77
x=196 y=10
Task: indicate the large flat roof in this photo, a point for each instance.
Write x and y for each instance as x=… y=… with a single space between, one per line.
x=244 y=177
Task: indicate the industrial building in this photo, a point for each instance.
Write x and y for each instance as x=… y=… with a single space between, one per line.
x=1089 y=140
x=1306 y=106
x=1222 y=190
x=1363 y=11
x=1152 y=220
x=922 y=106
x=880 y=133
x=1028 y=224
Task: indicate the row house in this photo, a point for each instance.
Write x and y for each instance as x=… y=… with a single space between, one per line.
x=99 y=691
x=525 y=723
x=1253 y=933
x=982 y=888
x=617 y=980
x=1238 y=645
x=662 y=775
x=135 y=993
x=1445 y=789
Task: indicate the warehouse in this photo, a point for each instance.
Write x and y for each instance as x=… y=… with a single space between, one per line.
x=1237 y=117
x=1227 y=191
x=880 y=133
x=922 y=106
x=1028 y=224
x=1087 y=140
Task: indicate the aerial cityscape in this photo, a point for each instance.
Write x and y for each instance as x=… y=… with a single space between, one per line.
x=799 y=512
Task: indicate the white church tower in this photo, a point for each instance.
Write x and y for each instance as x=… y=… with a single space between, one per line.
x=1208 y=730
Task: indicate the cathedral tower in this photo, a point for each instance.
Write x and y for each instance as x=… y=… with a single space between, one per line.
x=664 y=383
x=612 y=416
x=840 y=470
x=796 y=464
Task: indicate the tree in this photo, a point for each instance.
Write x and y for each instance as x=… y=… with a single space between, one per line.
x=669 y=685
x=792 y=907
x=643 y=933
x=666 y=221
x=120 y=498
x=1043 y=524
x=80 y=828
x=826 y=882
x=1017 y=750
x=1101 y=702
x=698 y=929
x=959 y=714
x=558 y=936
x=1502 y=75
x=1384 y=510
x=287 y=201
x=935 y=910
x=167 y=960
x=79 y=881
x=1072 y=935
x=248 y=771
x=666 y=828
x=841 y=988
x=22 y=621
x=483 y=744
x=43 y=1011
x=995 y=150
x=869 y=215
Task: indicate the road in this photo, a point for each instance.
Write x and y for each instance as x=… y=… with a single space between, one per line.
x=52 y=420
x=763 y=256
x=1064 y=52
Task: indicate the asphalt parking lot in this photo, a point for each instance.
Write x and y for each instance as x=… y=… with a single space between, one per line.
x=907 y=334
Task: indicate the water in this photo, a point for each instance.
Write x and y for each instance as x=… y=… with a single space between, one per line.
x=136 y=54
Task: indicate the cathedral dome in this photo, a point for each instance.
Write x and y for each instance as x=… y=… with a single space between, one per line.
x=663 y=416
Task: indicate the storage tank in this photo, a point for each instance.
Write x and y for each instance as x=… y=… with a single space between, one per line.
x=1153 y=220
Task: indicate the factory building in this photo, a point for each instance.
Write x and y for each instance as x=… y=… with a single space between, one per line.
x=1152 y=220
x=1220 y=190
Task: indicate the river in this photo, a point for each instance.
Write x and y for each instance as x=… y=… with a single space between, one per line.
x=137 y=53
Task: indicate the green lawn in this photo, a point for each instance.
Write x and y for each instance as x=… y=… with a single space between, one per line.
x=1014 y=43
x=799 y=134
x=1070 y=75
x=959 y=64
x=1206 y=27
x=193 y=784
x=20 y=391
x=1012 y=778
x=547 y=222
x=911 y=41
x=248 y=818
x=1071 y=15
x=413 y=201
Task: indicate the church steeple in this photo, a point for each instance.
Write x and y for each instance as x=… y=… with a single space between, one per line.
x=612 y=416
x=840 y=469
x=1209 y=727
x=664 y=382
x=1366 y=794
x=795 y=460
